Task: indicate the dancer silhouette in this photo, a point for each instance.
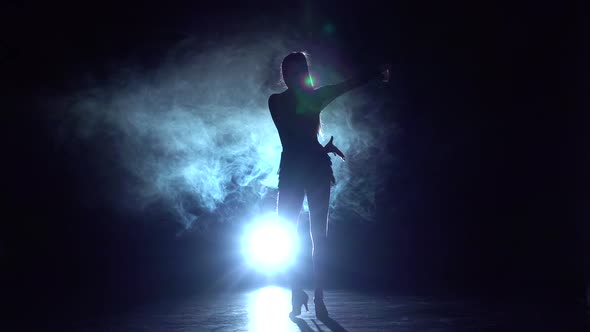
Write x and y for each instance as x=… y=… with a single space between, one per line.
x=305 y=167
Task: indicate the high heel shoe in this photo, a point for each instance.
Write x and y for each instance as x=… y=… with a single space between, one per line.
x=298 y=299
x=321 y=312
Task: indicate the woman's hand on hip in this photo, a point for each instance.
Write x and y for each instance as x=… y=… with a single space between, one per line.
x=331 y=148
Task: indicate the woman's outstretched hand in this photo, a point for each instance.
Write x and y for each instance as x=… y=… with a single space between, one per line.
x=331 y=148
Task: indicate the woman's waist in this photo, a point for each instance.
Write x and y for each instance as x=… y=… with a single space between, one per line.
x=305 y=158
x=311 y=148
x=318 y=153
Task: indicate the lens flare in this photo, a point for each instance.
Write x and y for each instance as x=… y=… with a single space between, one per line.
x=309 y=81
x=329 y=28
x=269 y=244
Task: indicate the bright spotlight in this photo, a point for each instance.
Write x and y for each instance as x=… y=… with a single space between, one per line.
x=269 y=244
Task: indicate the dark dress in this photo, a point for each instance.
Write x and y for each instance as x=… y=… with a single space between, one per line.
x=303 y=160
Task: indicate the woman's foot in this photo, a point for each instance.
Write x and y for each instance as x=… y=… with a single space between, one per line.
x=298 y=299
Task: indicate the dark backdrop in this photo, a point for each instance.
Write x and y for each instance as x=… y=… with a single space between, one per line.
x=486 y=194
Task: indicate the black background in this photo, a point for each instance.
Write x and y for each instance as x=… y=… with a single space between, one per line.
x=486 y=195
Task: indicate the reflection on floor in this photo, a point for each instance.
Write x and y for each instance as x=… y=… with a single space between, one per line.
x=266 y=309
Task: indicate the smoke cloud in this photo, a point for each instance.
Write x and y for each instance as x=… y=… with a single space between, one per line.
x=196 y=136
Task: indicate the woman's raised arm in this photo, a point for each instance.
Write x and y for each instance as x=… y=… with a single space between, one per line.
x=328 y=93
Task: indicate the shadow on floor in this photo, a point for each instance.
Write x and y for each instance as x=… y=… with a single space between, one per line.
x=331 y=324
x=303 y=326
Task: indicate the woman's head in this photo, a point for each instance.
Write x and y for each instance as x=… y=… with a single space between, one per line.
x=295 y=71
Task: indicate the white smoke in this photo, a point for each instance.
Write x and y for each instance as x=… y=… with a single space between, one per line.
x=196 y=133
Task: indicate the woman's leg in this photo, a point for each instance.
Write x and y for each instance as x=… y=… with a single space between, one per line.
x=289 y=202
x=318 y=198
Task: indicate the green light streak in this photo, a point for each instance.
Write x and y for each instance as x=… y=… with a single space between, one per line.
x=309 y=80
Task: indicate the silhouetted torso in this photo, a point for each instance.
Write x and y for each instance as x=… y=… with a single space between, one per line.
x=297 y=118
